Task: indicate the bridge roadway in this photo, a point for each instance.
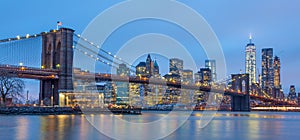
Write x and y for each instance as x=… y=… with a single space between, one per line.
x=53 y=74
x=29 y=72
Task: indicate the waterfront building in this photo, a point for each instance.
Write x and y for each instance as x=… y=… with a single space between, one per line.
x=211 y=64
x=251 y=61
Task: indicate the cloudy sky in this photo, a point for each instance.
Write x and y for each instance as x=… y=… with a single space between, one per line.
x=273 y=23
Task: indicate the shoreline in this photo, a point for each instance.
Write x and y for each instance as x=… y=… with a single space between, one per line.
x=77 y=111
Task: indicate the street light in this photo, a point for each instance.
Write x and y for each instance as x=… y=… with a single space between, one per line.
x=52 y=100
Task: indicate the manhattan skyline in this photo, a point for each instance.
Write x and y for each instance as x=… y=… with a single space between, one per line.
x=270 y=25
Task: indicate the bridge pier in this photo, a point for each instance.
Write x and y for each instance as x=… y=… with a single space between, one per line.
x=240 y=82
x=57 y=53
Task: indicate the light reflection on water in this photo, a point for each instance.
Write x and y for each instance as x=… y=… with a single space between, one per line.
x=225 y=125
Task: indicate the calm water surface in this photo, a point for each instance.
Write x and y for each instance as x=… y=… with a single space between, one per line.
x=225 y=125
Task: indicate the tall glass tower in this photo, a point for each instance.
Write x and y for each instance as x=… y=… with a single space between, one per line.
x=267 y=70
x=211 y=64
x=276 y=67
x=251 y=61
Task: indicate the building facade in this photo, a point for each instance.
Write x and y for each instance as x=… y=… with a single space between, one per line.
x=267 y=70
x=187 y=76
x=211 y=64
x=251 y=61
x=123 y=70
x=292 y=94
x=176 y=66
x=276 y=67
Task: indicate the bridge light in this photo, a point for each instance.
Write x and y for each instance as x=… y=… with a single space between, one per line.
x=73 y=46
x=20 y=64
x=109 y=52
x=18 y=37
x=22 y=68
x=27 y=35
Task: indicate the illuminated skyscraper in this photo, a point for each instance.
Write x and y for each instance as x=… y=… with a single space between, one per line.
x=267 y=70
x=276 y=67
x=176 y=66
x=211 y=64
x=251 y=61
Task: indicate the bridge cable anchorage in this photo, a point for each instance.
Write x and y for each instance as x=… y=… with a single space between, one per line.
x=106 y=52
x=98 y=54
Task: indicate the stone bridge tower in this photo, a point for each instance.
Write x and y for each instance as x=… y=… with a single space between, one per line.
x=240 y=82
x=57 y=53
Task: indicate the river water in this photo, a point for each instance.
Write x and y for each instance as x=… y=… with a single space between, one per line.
x=225 y=125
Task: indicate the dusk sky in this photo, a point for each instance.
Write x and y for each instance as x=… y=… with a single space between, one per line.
x=273 y=23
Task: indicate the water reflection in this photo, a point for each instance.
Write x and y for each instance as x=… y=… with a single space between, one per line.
x=254 y=125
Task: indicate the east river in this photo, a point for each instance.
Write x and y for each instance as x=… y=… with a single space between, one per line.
x=224 y=125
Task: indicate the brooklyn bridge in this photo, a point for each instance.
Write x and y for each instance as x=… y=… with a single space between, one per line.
x=60 y=80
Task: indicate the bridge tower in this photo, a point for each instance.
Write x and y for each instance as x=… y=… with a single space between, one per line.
x=240 y=82
x=57 y=53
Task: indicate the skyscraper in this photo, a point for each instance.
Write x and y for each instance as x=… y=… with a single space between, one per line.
x=205 y=75
x=267 y=70
x=149 y=66
x=251 y=61
x=211 y=64
x=276 y=67
x=176 y=66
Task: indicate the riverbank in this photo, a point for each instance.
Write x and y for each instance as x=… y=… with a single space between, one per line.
x=39 y=110
x=25 y=110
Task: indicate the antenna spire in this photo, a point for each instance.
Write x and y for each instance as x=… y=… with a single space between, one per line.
x=250 y=37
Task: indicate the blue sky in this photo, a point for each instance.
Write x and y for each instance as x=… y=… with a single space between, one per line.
x=273 y=23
